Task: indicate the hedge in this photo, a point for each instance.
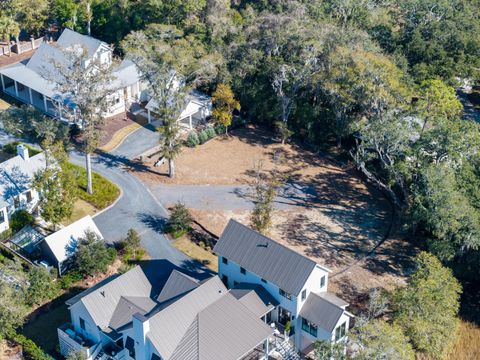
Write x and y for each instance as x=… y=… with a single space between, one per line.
x=31 y=351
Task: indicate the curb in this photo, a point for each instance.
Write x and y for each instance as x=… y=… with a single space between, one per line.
x=112 y=204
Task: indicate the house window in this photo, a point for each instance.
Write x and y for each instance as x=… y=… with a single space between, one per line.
x=308 y=327
x=322 y=282
x=130 y=345
x=285 y=294
x=224 y=260
x=340 y=331
x=156 y=357
x=304 y=294
x=242 y=270
x=28 y=194
x=263 y=280
x=225 y=280
x=82 y=324
x=16 y=202
x=235 y=283
x=2 y=216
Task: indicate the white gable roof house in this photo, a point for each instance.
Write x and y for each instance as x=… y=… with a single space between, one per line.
x=27 y=81
x=238 y=314
x=297 y=284
x=59 y=247
x=16 y=191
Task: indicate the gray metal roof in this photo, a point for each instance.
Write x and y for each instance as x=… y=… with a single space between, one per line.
x=333 y=299
x=127 y=307
x=255 y=297
x=102 y=302
x=264 y=257
x=321 y=312
x=225 y=330
x=176 y=285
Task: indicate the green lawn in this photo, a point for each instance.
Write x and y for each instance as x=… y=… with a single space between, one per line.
x=104 y=191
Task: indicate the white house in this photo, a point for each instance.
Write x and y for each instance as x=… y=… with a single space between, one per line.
x=141 y=315
x=31 y=81
x=16 y=191
x=298 y=284
x=59 y=247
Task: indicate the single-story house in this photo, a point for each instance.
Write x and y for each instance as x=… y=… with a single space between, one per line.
x=59 y=247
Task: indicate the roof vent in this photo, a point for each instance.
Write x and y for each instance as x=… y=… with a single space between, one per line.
x=22 y=150
x=263 y=245
x=103 y=293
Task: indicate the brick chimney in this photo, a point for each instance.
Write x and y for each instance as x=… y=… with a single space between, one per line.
x=22 y=150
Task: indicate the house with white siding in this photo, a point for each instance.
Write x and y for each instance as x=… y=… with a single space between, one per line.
x=33 y=82
x=150 y=313
x=16 y=190
x=246 y=259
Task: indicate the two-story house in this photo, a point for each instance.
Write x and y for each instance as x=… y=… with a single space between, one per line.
x=145 y=315
x=247 y=259
x=16 y=191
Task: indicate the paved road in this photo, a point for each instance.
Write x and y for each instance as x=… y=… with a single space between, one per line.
x=137 y=143
x=136 y=208
x=229 y=197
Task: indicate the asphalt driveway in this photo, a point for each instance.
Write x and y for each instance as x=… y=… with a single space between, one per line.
x=136 y=208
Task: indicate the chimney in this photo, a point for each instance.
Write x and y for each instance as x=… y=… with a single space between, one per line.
x=141 y=327
x=22 y=150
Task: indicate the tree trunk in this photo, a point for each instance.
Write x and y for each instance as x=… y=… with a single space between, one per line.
x=171 y=168
x=89 y=19
x=89 y=173
x=226 y=130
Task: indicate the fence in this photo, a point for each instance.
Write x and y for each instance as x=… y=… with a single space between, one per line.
x=21 y=47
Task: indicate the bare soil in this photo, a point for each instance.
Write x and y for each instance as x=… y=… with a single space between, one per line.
x=337 y=227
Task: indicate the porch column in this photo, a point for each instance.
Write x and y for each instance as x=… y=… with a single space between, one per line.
x=45 y=103
x=16 y=88
x=267 y=348
x=149 y=116
x=190 y=122
x=3 y=82
x=138 y=90
x=31 y=97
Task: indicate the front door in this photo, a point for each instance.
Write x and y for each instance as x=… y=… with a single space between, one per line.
x=283 y=315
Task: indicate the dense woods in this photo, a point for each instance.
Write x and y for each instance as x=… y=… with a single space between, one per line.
x=376 y=79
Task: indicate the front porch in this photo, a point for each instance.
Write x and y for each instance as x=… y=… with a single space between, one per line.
x=70 y=341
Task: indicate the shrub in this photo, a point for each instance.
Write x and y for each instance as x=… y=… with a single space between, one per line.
x=220 y=129
x=70 y=278
x=210 y=132
x=180 y=220
x=42 y=286
x=203 y=136
x=93 y=256
x=31 y=350
x=192 y=139
x=11 y=148
x=5 y=235
x=104 y=191
x=19 y=219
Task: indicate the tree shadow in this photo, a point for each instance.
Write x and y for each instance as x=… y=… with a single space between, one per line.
x=110 y=160
x=152 y=221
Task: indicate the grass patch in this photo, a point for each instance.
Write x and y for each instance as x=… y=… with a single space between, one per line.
x=81 y=208
x=468 y=344
x=196 y=252
x=104 y=191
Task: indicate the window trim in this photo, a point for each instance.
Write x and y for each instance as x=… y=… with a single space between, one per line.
x=340 y=331
x=285 y=294
x=82 y=323
x=323 y=281
x=224 y=260
x=309 y=327
x=304 y=294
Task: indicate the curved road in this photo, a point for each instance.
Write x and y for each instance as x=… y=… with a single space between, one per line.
x=136 y=208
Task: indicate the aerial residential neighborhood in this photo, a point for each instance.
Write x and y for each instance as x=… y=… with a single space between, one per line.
x=239 y=180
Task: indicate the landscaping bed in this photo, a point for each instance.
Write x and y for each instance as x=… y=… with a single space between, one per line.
x=104 y=191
